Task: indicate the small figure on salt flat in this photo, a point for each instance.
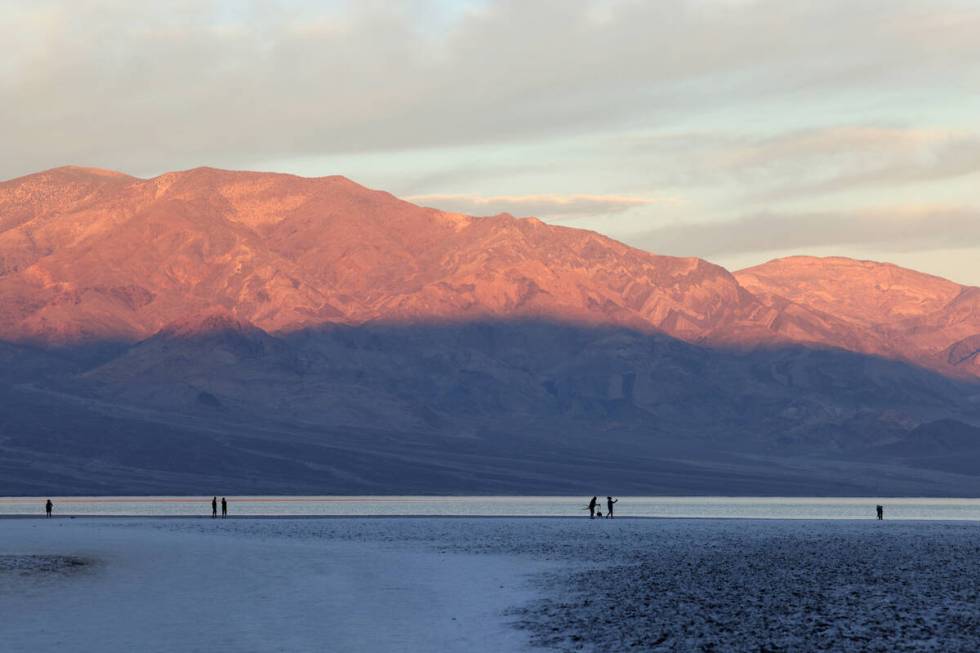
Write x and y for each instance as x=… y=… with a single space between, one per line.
x=592 y=507
x=224 y=507
x=609 y=504
x=881 y=511
x=48 y=507
x=214 y=507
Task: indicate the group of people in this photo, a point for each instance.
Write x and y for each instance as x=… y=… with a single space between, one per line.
x=595 y=510
x=214 y=507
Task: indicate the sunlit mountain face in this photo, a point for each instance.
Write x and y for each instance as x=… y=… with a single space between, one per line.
x=314 y=335
x=89 y=254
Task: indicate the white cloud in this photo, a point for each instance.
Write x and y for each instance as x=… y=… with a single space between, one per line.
x=811 y=161
x=554 y=206
x=895 y=229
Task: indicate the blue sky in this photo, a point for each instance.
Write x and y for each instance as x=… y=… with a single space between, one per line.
x=737 y=130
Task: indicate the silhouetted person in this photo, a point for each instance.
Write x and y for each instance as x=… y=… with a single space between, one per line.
x=214 y=507
x=609 y=504
x=592 y=507
x=224 y=507
x=48 y=507
x=881 y=511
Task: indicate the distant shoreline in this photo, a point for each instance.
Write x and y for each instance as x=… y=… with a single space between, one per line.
x=493 y=517
x=781 y=508
x=341 y=498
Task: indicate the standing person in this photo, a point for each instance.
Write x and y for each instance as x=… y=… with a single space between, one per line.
x=224 y=507
x=48 y=507
x=609 y=504
x=214 y=507
x=592 y=507
x=881 y=512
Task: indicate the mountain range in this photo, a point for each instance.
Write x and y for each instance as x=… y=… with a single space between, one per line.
x=240 y=332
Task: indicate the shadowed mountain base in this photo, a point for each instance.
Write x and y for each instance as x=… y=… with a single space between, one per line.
x=529 y=407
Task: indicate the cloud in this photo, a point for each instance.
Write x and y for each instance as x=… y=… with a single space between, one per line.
x=895 y=229
x=830 y=160
x=553 y=206
x=147 y=87
x=815 y=161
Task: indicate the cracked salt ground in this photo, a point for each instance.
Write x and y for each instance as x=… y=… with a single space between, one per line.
x=758 y=586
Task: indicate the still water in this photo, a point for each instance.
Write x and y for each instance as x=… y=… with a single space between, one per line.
x=367 y=506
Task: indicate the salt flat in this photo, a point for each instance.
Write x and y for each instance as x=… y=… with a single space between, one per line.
x=488 y=584
x=159 y=586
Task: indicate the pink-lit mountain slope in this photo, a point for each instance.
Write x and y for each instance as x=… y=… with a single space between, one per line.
x=91 y=255
x=905 y=314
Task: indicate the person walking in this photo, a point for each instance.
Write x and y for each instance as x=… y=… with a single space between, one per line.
x=214 y=507
x=609 y=505
x=592 y=505
x=224 y=507
x=48 y=507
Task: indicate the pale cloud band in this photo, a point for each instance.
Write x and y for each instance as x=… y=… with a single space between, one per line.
x=552 y=206
x=816 y=160
x=148 y=87
x=894 y=229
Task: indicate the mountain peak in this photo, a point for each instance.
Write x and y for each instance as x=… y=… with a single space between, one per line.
x=225 y=174
x=89 y=171
x=902 y=313
x=68 y=174
x=803 y=262
x=836 y=280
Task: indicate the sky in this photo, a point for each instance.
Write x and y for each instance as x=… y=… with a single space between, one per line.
x=734 y=130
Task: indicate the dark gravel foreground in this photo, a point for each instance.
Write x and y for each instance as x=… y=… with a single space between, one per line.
x=712 y=585
x=814 y=586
